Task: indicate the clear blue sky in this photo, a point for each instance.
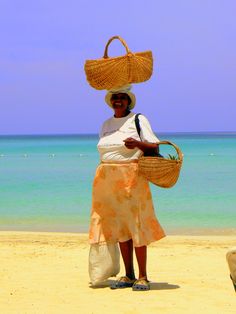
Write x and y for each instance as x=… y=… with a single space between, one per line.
x=44 y=44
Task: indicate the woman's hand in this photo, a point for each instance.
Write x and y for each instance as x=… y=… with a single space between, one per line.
x=146 y=147
x=131 y=143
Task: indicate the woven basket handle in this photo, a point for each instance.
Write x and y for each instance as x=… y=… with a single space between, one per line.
x=121 y=40
x=180 y=154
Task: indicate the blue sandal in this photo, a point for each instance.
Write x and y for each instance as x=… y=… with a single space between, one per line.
x=123 y=282
x=141 y=284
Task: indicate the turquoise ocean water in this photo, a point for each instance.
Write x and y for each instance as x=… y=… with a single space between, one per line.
x=45 y=183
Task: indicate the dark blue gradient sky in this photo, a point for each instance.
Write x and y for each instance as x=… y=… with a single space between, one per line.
x=44 y=44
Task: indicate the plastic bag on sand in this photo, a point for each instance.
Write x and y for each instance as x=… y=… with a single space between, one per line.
x=104 y=262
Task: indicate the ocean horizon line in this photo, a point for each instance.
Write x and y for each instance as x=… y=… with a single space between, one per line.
x=96 y=134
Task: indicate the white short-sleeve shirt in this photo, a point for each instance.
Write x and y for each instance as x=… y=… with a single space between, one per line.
x=115 y=130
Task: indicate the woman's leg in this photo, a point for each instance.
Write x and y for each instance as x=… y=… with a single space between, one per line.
x=126 y=249
x=141 y=255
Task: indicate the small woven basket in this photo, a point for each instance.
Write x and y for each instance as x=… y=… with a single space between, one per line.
x=161 y=171
x=107 y=72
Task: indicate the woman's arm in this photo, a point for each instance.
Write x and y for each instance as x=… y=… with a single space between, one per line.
x=146 y=147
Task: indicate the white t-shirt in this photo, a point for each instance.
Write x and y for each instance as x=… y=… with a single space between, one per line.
x=115 y=130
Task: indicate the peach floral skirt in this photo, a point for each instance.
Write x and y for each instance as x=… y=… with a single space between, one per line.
x=122 y=206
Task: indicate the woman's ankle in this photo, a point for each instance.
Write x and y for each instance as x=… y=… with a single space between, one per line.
x=143 y=277
x=130 y=276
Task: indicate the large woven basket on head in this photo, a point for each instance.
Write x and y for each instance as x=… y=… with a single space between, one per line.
x=107 y=72
x=160 y=171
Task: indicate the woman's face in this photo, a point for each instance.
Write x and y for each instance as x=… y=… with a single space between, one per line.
x=120 y=103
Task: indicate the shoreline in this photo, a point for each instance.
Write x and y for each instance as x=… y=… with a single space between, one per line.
x=9 y=235
x=84 y=230
x=28 y=236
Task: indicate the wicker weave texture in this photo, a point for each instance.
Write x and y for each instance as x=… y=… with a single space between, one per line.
x=107 y=73
x=161 y=171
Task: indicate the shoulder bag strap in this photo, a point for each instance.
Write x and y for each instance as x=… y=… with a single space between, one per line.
x=137 y=124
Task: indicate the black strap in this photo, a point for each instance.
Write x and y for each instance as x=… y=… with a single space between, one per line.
x=137 y=124
x=136 y=120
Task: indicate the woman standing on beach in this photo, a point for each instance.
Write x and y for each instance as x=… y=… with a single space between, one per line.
x=122 y=209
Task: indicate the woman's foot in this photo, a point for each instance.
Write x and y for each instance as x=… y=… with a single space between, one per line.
x=123 y=282
x=141 y=284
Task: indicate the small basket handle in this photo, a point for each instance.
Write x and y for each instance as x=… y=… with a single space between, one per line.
x=121 y=40
x=180 y=154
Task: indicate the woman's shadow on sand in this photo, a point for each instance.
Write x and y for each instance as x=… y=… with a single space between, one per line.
x=153 y=285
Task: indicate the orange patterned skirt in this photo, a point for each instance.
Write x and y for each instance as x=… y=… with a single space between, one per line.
x=122 y=207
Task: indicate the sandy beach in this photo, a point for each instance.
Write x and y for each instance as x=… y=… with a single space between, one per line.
x=47 y=273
